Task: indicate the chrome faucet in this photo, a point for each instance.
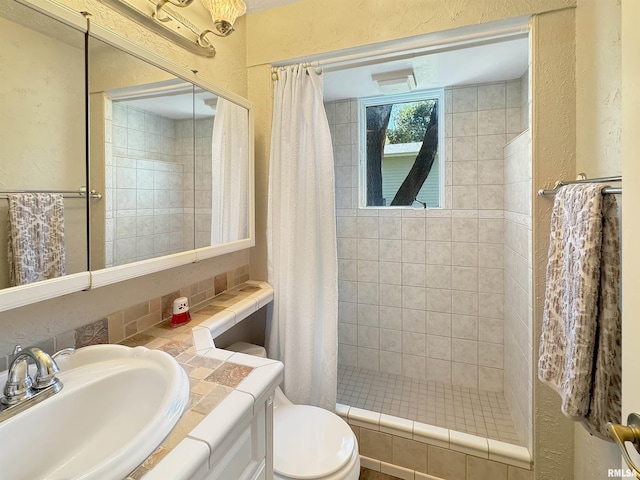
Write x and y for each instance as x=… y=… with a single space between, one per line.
x=21 y=391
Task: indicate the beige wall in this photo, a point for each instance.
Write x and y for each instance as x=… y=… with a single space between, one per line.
x=553 y=145
x=598 y=87
x=260 y=93
x=34 y=323
x=309 y=27
x=598 y=142
x=630 y=200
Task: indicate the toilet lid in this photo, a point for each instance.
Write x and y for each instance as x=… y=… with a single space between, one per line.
x=310 y=442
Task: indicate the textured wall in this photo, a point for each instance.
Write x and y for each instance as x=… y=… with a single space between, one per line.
x=630 y=199
x=260 y=93
x=309 y=27
x=599 y=129
x=553 y=145
x=598 y=88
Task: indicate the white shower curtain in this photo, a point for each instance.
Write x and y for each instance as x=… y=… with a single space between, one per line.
x=229 y=173
x=301 y=240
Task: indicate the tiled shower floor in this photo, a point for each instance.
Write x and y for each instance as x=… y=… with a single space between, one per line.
x=467 y=410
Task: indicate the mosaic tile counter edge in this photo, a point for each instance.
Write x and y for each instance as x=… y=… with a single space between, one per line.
x=212 y=377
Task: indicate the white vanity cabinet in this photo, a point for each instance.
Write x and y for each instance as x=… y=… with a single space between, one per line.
x=235 y=440
x=242 y=450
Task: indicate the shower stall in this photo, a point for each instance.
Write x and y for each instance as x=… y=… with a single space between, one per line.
x=435 y=304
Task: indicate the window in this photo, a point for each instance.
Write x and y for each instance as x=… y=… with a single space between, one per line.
x=400 y=139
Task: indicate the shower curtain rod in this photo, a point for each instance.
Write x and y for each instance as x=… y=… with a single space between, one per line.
x=361 y=56
x=79 y=193
x=584 y=179
x=275 y=70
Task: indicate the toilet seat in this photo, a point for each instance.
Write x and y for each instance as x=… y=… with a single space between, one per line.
x=310 y=442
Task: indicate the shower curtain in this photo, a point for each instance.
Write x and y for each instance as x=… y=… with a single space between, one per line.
x=301 y=240
x=229 y=173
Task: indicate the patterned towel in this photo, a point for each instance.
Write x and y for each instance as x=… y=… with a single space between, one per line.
x=580 y=345
x=36 y=237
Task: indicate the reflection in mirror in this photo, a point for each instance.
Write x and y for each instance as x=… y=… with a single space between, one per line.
x=142 y=130
x=42 y=147
x=230 y=173
x=222 y=164
x=171 y=157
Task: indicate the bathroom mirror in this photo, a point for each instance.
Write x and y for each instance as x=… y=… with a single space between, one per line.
x=42 y=150
x=173 y=158
x=141 y=158
x=188 y=211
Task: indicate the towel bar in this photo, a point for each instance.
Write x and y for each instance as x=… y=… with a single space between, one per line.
x=605 y=191
x=584 y=179
x=79 y=193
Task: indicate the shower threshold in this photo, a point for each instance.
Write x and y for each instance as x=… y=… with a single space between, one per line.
x=467 y=410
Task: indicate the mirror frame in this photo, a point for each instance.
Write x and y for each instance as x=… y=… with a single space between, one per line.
x=18 y=296
x=14 y=297
x=120 y=273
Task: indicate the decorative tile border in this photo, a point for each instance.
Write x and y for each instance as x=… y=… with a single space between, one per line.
x=413 y=450
x=130 y=321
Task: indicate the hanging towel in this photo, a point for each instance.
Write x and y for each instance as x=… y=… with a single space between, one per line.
x=36 y=237
x=580 y=345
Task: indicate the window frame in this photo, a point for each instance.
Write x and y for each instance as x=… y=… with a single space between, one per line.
x=363 y=103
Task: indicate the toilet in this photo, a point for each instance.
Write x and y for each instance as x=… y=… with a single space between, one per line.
x=308 y=442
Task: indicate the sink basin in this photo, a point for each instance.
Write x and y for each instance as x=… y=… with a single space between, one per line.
x=116 y=406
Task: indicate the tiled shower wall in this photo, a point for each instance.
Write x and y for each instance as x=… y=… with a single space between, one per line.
x=518 y=276
x=421 y=291
x=150 y=180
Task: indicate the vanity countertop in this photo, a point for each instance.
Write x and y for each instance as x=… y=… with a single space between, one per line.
x=214 y=374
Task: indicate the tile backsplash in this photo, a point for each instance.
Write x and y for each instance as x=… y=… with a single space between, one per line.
x=128 y=322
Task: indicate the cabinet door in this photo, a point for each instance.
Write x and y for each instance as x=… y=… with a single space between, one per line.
x=244 y=457
x=261 y=474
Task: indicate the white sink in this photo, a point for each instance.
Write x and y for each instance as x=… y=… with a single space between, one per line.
x=116 y=406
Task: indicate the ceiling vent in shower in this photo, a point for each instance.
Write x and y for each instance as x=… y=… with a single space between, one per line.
x=400 y=81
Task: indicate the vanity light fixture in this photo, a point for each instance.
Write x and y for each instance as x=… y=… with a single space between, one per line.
x=224 y=13
x=159 y=15
x=162 y=18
